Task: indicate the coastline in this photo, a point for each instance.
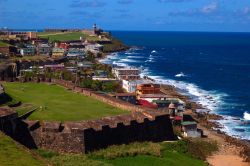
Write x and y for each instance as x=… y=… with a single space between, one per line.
x=229 y=146
x=233 y=151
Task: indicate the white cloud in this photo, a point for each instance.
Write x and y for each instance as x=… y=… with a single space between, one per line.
x=210 y=8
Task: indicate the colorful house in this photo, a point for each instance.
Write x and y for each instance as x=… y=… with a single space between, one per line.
x=127 y=97
x=189 y=129
x=44 y=49
x=150 y=88
x=58 y=52
x=28 y=50
x=75 y=54
x=152 y=97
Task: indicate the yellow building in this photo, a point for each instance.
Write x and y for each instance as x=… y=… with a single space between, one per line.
x=58 y=53
x=32 y=35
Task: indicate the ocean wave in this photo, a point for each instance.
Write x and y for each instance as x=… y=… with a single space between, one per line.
x=128 y=60
x=246 y=116
x=131 y=53
x=119 y=64
x=114 y=56
x=235 y=127
x=135 y=57
x=149 y=60
x=181 y=74
x=154 y=51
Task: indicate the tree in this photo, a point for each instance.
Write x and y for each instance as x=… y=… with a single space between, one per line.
x=90 y=56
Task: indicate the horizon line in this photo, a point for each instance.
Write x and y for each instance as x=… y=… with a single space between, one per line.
x=131 y=30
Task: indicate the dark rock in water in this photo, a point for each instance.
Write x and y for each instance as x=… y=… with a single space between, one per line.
x=239 y=130
x=245 y=122
x=220 y=132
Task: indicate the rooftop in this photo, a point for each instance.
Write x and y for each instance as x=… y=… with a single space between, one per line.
x=158 y=95
x=141 y=81
x=127 y=68
x=125 y=94
x=187 y=123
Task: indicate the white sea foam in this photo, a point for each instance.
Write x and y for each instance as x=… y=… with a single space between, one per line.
x=246 y=116
x=235 y=127
x=127 y=60
x=181 y=74
x=131 y=53
x=119 y=64
x=211 y=100
x=135 y=57
x=112 y=56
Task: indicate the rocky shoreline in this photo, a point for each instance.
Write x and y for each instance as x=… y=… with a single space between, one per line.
x=208 y=123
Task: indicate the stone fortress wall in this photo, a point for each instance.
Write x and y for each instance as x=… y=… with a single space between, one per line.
x=83 y=137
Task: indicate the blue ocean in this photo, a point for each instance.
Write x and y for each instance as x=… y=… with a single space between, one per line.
x=212 y=68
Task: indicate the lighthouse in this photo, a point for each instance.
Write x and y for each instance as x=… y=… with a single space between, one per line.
x=94 y=27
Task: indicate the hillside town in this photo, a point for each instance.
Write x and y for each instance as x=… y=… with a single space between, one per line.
x=77 y=61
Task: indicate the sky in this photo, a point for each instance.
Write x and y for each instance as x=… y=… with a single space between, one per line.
x=148 y=15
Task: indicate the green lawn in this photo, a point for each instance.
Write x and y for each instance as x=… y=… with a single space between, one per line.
x=147 y=154
x=55 y=103
x=3 y=44
x=13 y=154
x=66 y=36
x=168 y=158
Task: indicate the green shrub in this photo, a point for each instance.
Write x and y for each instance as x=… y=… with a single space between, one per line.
x=179 y=146
x=201 y=149
x=134 y=149
x=46 y=153
x=197 y=148
x=75 y=160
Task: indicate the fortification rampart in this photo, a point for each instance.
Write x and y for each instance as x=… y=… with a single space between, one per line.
x=86 y=136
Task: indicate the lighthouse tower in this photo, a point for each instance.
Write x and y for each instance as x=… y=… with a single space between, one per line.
x=94 y=27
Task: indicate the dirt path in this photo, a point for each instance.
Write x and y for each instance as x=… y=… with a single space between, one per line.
x=228 y=155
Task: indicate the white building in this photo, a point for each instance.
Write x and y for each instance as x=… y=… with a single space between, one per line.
x=126 y=73
x=94 y=47
x=130 y=85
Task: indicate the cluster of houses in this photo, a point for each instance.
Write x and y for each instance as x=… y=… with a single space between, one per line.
x=43 y=47
x=147 y=93
x=30 y=44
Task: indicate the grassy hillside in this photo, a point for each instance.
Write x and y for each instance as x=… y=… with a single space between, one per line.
x=66 y=36
x=13 y=154
x=135 y=154
x=55 y=103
